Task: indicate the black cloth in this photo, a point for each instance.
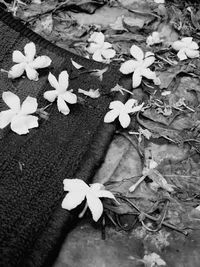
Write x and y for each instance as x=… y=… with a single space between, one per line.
x=33 y=166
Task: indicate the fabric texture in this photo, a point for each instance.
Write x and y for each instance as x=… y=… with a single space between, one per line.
x=33 y=166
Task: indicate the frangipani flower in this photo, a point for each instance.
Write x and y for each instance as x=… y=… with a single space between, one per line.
x=19 y=116
x=186 y=47
x=79 y=190
x=60 y=92
x=100 y=48
x=118 y=109
x=154 y=38
x=139 y=66
x=27 y=63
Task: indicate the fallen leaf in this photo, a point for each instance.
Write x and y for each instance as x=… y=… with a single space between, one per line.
x=133 y=23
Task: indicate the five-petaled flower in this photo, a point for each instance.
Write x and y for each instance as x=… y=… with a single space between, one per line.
x=79 y=190
x=19 y=115
x=118 y=109
x=140 y=66
x=27 y=63
x=100 y=48
x=186 y=47
x=60 y=92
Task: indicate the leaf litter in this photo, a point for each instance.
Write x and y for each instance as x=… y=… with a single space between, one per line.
x=166 y=133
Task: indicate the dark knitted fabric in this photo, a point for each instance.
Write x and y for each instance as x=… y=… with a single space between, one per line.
x=33 y=166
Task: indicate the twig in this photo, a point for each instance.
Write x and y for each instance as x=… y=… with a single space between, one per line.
x=145 y=215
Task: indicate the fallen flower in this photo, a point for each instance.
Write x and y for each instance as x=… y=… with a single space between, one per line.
x=19 y=116
x=154 y=38
x=60 y=92
x=186 y=47
x=79 y=190
x=27 y=63
x=118 y=109
x=91 y=93
x=140 y=66
x=100 y=48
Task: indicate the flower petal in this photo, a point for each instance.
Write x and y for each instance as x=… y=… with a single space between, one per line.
x=116 y=105
x=16 y=71
x=72 y=200
x=40 y=62
x=11 y=100
x=62 y=106
x=31 y=73
x=108 y=53
x=53 y=81
x=111 y=115
x=31 y=121
x=124 y=119
x=75 y=185
x=18 y=57
x=95 y=205
x=97 y=186
x=97 y=37
x=51 y=95
x=104 y=193
x=129 y=66
x=106 y=45
x=30 y=51
x=191 y=53
x=92 y=48
x=97 y=55
x=6 y=118
x=194 y=46
x=137 y=78
x=137 y=108
x=130 y=104
x=69 y=97
x=63 y=81
x=137 y=52
x=148 y=61
x=187 y=40
x=18 y=125
x=178 y=45
x=181 y=54
x=29 y=106
x=147 y=73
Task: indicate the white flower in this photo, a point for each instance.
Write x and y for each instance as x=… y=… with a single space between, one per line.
x=139 y=67
x=91 y=93
x=100 y=48
x=19 y=116
x=118 y=109
x=79 y=190
x=60 y=92
x=27 y=63
x=154 y=38
x=186 y=47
